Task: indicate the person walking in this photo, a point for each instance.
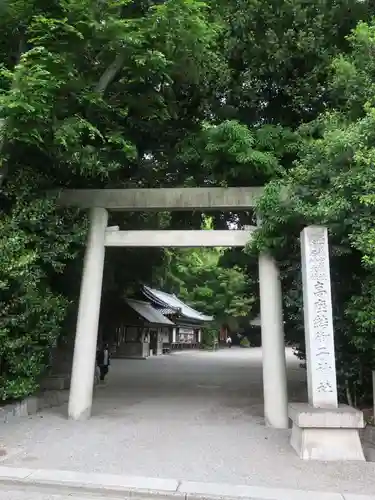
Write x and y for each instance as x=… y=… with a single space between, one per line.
x=103 y=361
x=229 y=341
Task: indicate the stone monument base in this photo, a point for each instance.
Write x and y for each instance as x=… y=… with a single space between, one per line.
x=326 y=434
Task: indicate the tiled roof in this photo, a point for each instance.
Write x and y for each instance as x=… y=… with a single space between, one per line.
x=149 y=313
x=167 y=311
x=169 y=301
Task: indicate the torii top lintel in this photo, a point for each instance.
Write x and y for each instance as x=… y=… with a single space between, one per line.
x=169 y=199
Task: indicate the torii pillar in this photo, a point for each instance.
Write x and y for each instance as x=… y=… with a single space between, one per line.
x=273 y=345
x=82 y=382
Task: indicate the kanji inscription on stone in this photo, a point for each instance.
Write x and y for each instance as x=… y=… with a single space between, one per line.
x=317 y=303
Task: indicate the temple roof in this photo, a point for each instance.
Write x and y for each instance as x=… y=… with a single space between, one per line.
x=172 y=303
x=149 y=313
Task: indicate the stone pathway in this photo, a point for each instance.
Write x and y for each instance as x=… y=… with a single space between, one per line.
x=194 y=416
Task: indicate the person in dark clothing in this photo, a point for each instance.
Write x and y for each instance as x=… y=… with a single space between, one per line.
x=103 y=361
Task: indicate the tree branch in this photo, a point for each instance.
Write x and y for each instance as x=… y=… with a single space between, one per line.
x=111 y=72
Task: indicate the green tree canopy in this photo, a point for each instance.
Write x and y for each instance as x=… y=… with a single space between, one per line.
x=332 y=184
x=198 y=279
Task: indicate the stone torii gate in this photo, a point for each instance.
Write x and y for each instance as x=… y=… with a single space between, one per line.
x=322 y=429
x=99 y=202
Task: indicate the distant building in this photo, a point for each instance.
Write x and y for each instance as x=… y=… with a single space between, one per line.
x=188 y=322
x=141 y=330
x=158 y=323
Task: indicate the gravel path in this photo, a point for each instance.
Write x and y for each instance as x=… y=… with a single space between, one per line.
x=191 y=415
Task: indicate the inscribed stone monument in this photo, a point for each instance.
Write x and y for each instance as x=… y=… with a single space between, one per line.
x=320 y=349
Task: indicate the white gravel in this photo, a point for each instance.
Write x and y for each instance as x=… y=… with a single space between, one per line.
x=191 y=415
